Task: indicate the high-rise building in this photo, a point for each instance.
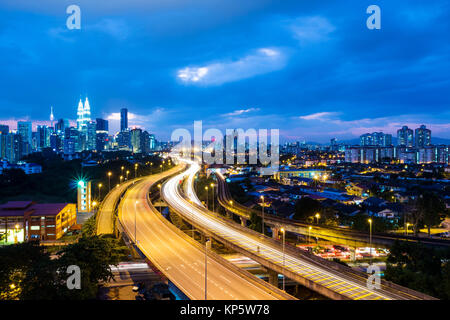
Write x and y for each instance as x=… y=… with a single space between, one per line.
x=102 y=134
x=378 y=139
x=405 y=137
x=4 y=129
x=136 y=140
x=83 y=115
x=152 y=142
x=123 y=119
x=91 y=143
x=43 y=137
x=423 y=137
x=13 y=147
x=25 y=130
x=124 y=140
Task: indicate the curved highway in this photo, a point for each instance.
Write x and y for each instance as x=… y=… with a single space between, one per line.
x=181 y=259
x=341 y=284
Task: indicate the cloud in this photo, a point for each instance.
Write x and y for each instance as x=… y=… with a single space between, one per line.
x=311 y=29
x=264 y=60
x=240 y=112
x=322 y=116
x=116 y=28
x=145 y=122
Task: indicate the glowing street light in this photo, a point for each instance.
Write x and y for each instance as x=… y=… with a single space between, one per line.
x=284 y=239
x=121 y=170
x=407 y=225
x=317 y=217
x=99 y=188
x=212 y=186
x=207 y=200
x=262 y=206
x=109 y=180
x=128 y=171
x=160 y=198
x=309 y=234
x=135 y=170
x=370 y=239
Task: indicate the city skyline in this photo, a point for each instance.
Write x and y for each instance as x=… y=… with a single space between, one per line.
x=315 y=61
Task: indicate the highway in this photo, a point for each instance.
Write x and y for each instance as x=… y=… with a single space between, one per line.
x=180 y=258
x=335 y=234
x=331 y=282
x=105 y=213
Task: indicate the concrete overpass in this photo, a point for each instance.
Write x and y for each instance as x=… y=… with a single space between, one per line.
x=339 y=235
x=180 y=258
x=327 y=278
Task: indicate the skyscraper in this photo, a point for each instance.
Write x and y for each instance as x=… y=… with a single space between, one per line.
x=423 y=137
x=24 y=129
x=405 y=137
x=83 y=115
x=136 y=140
x=102 y=134
x=91 y=135
x=123 y=119
x=43 y=137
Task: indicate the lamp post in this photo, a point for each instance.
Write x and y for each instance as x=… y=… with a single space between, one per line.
x=284 y=238
x=370 y=239
x=121 y=170
x=121 y=178
x=128 y=171
x=109 y=180
x=206 y=268
x=317 y=217
x=99 y=192
x=212 y=186
x=161 y=166
x=262 y=206
x=207 y=200
x=135 y=170
x=160 y=198
x=407 y=225
x=309 y=234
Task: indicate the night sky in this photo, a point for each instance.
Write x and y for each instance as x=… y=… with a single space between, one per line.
x=309 y=68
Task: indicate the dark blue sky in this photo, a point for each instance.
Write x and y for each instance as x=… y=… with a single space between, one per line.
x=309 y=68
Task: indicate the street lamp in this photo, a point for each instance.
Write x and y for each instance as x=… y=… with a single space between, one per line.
x=161 y=166
x=135 y=170
x=370 y=239
x=109 y=180
x=160 y=198
x=407 y=225
x=212 y=186
x=262 y=206
x=99 y=192
x=309 y=234
x=121 y=170
x=317 y=217
x=207 y=200
x=284 y=238
x=206 y=268
x=121 y=178
x=128 y=171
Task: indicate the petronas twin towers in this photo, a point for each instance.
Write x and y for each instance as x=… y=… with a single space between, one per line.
x=83 y=115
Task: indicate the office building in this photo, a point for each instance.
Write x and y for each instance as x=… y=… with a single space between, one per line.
x=123 y=119
x=84 y=198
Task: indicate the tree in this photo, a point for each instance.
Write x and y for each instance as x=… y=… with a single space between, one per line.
x=305 y=208
x=430 y=208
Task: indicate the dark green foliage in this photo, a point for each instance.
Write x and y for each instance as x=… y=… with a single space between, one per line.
x=420 y=268
x=28 y=273
x=305 y=208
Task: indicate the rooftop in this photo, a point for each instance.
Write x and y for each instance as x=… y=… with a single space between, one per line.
x=20 y=208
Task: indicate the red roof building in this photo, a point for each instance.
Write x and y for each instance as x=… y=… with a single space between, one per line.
x=27 y=220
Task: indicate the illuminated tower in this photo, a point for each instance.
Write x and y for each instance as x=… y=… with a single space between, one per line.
x=86 y=112
x=80 y=112
x=84 y=200
x=51 y=116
